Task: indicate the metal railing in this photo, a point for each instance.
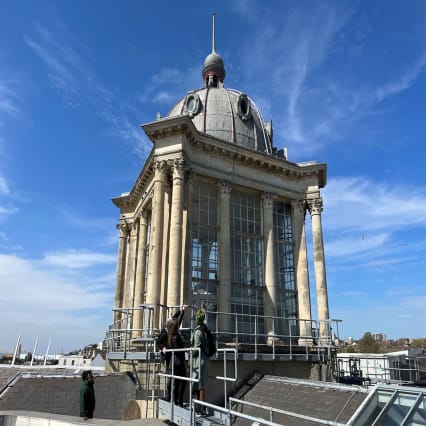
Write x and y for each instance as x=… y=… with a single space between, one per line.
x=274 y=411
x=256 y=335
x=193 y=402
x=385 y=368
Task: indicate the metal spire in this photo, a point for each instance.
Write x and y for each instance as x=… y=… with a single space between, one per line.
x=214 y=35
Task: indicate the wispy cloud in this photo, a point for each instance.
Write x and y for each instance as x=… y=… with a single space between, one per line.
x=349 y=245
x=404 y=81
x=360 y=204
x=76 y=220
x=7 y=210
x=44 y=301
x=313 y=105
x=4 y=187
x=78 y=259
x=171 y=84
x=9 y=99
x=362 y=222
x=72 y=75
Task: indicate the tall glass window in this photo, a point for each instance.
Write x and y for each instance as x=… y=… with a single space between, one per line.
x=247 y=261
x=284 y=261
x=204 y=244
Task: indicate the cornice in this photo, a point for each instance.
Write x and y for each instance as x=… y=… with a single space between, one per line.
x=171 y=126
x=183 y=125
x=260 y=160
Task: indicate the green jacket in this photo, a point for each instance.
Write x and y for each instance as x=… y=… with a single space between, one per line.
x=87 y=399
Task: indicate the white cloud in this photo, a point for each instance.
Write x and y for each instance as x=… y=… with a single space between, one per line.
x=404 y=81
x=46 y=303
x=353 y=244
x=8 y=99
x=171 y=84
x=360 y=204
x=4 y=187
x=78 y=259
x=313 y=104
x=76 y=220
x=7 y=210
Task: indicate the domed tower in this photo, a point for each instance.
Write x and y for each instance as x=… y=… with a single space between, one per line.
x=226 y=114
x=216 y=218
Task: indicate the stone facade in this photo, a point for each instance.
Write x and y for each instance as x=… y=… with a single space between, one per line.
x=216 y=218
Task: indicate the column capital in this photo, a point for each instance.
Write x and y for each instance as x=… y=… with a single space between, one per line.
x=178 y=167
x=160 y=168
x=224 y=188
x=144 y=214
x=268 y=199
x=134 y=226
x=123 y=227
x=315 y=206
x=177 y=163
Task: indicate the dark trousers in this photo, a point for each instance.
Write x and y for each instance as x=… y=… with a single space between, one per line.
x=178 y=386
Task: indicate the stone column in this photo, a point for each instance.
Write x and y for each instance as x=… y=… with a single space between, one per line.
x=315 y=208
x=187 y=251
x=130 y=270
x=271 y=286
x=156 y=243
x=175 y=247
x=121 y=268
x=140 y=271
x=224 y=290
x=302 y=274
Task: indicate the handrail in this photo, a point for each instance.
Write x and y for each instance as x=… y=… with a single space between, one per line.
x=189 y=379
x=229 y=413
x=284 y=336
x=287 y=413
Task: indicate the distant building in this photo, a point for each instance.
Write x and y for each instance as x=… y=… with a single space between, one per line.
x=379 y=337
x=392 y=367
x=74 y=361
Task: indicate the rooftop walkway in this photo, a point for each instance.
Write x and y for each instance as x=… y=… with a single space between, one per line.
x=30 y=418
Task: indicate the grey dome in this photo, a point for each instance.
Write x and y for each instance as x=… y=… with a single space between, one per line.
x=213 y=64
x=226 y=114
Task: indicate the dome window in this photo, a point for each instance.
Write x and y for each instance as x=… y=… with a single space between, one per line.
x=192 y=104
x=244 y=107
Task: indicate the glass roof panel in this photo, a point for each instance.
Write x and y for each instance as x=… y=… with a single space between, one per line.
x=418 y=417
x=393 y=406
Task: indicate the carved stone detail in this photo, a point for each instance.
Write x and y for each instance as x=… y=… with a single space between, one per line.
x=224 y=187
x=268 y=199
x=178 y=167
x=315 y=206
x=161 y=168
x=123 y=227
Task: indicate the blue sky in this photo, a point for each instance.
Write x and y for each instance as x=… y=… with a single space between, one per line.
x=343 y=81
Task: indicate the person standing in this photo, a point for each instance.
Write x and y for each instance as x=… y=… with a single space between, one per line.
x=199 y=358
x=87 y=395
x=174 y=340
x=165 y=341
